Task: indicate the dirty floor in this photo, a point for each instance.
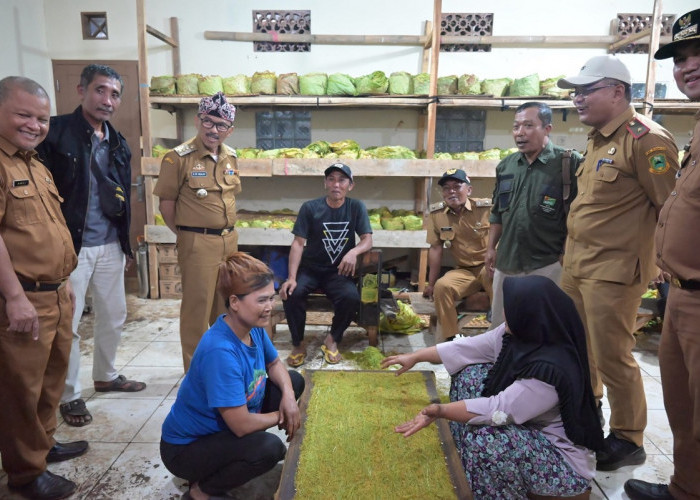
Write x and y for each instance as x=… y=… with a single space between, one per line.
x=123 y=461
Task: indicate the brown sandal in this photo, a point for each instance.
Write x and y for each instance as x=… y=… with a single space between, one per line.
x=73 y=411
x=120 y=384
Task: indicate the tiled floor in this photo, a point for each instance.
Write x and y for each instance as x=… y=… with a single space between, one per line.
x=124 y=462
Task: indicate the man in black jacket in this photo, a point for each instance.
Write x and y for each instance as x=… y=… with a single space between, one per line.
x=90 y=163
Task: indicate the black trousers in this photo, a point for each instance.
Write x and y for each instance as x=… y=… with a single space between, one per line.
x=341 y=290
x=223 y=461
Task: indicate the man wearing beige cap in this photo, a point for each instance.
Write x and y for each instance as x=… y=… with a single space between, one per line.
x=626 y=175
x=677 y=241
x=197 y=187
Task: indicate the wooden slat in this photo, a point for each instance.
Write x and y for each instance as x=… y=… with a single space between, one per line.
x=315 y=39
x=150 y=166
x=656 y=21
x=300 y=100
x=283 y=237
x=382 y=168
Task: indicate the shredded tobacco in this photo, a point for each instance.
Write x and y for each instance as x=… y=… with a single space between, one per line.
x=350 y=449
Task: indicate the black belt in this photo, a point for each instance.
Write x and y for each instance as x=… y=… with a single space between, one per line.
x=207 y=230
x=686 y=284
x=39 y=286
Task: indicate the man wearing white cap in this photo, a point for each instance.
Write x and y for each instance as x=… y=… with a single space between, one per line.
x=197 y=188
x=626 y=175
x=677 y=240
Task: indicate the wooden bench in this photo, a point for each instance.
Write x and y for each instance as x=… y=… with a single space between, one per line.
x=477 y=303
x=367 y=316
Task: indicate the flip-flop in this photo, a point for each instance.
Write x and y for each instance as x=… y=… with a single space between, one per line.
x=327 y=353
x=120 y=384
x=297 y=359
x=73 y=409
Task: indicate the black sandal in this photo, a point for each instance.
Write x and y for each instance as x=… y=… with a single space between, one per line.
x=74 y=409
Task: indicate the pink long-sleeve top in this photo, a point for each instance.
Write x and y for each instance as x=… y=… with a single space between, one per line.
x=526 y=401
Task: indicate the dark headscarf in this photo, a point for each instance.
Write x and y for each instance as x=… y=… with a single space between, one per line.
x=548 y=343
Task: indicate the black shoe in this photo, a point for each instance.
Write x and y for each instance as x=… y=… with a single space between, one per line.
x=642 y=490
x=66 y=451
x=617 y=453
x=47 y=486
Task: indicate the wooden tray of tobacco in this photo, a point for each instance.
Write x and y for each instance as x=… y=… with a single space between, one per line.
x=347 y=448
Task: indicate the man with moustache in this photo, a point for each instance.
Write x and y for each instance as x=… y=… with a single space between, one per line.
x=197 y=187
x=676 y=246
x=91 y=165
x=36 y=299
x=461 y=224
x=626 y=175
x=534 y=188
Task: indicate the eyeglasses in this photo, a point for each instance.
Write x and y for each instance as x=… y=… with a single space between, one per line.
x=586 y=92
x=220 y=126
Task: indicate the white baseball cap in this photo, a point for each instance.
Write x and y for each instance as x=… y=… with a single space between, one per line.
x=596 y=69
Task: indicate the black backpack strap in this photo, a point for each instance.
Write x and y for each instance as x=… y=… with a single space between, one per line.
x=566 y=178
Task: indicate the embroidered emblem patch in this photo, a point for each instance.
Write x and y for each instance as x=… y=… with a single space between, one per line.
x=229 y=172
x=659 y=164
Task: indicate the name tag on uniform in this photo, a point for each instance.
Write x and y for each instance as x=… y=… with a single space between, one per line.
x=199 y=174
x=20 y=182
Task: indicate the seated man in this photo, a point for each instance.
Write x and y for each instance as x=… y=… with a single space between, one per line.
x=461 y=224
x=328 y=261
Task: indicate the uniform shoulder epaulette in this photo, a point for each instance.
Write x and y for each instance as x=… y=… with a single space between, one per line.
x=185 y=149
x=434 y=207
x=483 y=202
x=230 y=151
x=637 y=128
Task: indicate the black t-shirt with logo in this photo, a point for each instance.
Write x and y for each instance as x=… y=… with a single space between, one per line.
x=329 y=232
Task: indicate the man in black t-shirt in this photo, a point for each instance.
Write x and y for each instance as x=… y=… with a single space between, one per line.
x=327 y=226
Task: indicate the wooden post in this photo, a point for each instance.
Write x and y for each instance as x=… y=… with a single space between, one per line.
x=179 y=113
x=432 y=115
x=651 y=62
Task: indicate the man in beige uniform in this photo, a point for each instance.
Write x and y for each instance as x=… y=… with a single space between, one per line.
x=197 y=187
x=626 y=175
x=36 y=299
x=677 y=243
x=461 y=224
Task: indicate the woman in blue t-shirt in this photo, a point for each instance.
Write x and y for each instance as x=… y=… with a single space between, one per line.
x=214 y=435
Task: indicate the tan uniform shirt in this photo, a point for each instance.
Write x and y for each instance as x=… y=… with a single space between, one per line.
x=467 y=231
x=677 y=237
x=204 y=189
x=31 y=223
x=626 y=175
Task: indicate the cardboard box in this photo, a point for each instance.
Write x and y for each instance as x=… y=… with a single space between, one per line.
x=170 y=289
x=166 y=253
x=169 y=271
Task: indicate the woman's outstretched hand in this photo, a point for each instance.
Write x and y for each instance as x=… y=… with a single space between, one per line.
x=426 y=417
x=405 y=360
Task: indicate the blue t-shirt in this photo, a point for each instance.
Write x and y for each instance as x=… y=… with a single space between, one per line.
x=224 y=373
x=329 y=232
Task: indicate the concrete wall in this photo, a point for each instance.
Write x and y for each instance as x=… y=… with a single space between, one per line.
x=33 y=32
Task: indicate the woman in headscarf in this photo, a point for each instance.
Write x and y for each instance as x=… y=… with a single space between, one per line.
x=523 y=414
x=214 y=435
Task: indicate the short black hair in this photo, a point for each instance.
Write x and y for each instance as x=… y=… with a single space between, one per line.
x=9 y=83
x=92 y=70
x=544 y=112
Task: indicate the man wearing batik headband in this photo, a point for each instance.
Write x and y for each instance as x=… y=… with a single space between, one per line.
x=197 y=188
x=677 y=241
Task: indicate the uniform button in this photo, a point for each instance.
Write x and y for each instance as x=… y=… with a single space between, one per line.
x=26 y=192
x=673 y=193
